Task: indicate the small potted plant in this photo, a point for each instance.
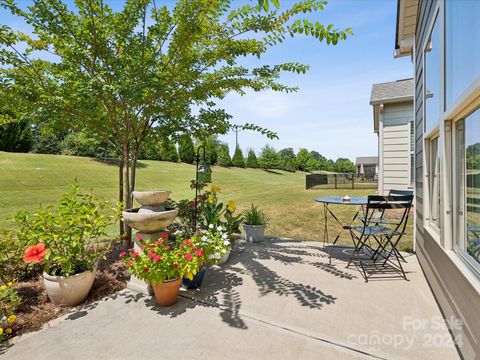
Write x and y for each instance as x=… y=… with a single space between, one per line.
x=255 y=222
x=163 y=264
x=68 y=239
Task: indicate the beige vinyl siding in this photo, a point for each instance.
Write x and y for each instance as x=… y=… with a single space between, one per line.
x=396 y=145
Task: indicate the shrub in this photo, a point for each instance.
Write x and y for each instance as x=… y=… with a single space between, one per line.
x=238 y=160
x=186 y=151
x=150 y=150
x=46 y=142
x=81 y=143
x=223 y=156
x=312 y=165
x=289 y=164
x=15 y=136
x=251 y=159
x=9 y=302
x=269 y=158
x=69 y=235
x=12 y=267
x=168 y=151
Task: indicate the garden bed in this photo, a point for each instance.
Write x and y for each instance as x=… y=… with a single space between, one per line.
x=36 y=309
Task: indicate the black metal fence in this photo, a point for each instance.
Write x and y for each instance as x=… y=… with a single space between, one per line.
x=338 y=181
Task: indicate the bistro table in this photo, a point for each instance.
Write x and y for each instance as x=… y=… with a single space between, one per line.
x=361 y=202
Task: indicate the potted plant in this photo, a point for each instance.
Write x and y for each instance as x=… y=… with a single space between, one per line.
x=163 y=264
x=68 y=239
x=255 y=222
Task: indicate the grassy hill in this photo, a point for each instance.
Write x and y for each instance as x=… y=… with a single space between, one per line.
x=28 y=180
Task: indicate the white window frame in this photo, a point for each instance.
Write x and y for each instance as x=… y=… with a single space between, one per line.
x=429 y=226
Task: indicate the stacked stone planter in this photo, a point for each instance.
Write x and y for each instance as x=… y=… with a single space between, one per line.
x=150 y=220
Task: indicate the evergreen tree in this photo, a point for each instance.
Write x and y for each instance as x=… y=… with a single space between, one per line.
x=251 y=159
x=269 y=158
x=168 y=151
x=238 y=160
x=186 y=151
x=15 y=136
x=223 y=155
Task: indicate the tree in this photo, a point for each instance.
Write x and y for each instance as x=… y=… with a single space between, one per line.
x=15 y=136
x=269 y=158
x=344 y=165
x=287 y=153
x=168 y=151
x=144 y=71
x=303 y=157
x=251 y=161
x=238 y=160
x=211 y=147
x=186 y=151
x=223 y=155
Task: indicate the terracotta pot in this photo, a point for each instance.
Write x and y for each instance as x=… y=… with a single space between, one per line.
x=166 y=293
x=224 y=258
x=68 y=290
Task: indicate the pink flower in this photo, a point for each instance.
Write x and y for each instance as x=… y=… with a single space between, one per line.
x=193 y=203
x=149 y=256
x=139 y=237
x=123 y=254
x=160 y=242
x=189 y=257
x=152 y=249
x=164 y=236
x=34 y=254
x=156 y=258
x=198 y=252
x=182 y=245
x=135 y=254
x=167 y=247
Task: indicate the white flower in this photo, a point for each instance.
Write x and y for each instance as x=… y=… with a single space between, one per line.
x=217 y=256
x=178 y=232
x=212 y=256
x=226 y=242
x=224 y=236
x=211 y=226
x=204 y=238
x=219 y=228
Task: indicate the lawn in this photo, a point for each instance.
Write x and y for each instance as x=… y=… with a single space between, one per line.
x=28 y=180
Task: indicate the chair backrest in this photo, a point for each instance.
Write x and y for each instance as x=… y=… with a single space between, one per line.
x=394 y=192
x=380 y=203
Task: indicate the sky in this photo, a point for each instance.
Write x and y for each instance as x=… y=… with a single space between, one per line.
x=330 y=113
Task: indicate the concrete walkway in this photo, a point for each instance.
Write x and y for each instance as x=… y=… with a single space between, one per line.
x=275 y=300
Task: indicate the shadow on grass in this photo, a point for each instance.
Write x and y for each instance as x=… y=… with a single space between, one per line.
x=270 y=171
x=116 y=162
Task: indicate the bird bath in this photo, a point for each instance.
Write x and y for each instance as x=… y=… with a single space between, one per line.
x=149 y=220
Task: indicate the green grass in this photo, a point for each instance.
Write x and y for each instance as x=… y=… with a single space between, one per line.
x=28 y=180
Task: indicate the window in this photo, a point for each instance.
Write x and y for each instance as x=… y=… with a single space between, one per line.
x=432 y=79
x=433 y=175
x=467 y=136
x=462 y=53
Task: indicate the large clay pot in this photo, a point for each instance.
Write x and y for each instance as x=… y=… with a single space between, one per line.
x=197 y=280
x=166 y=293
x=225 y=256
x=68 y=290
x=254 y=233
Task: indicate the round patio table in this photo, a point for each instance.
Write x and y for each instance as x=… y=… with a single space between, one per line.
x=338 y=200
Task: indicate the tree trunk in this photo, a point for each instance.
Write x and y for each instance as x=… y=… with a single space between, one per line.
x=120 y=192
x=127 y=193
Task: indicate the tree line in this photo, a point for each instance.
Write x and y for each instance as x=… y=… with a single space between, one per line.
x=22 y=136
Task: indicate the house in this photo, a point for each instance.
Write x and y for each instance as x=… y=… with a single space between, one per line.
x=443 y=39
x=393 y=122
x=367 y=167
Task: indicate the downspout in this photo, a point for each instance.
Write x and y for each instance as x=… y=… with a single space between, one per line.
x=380 y=150
x=414 y=167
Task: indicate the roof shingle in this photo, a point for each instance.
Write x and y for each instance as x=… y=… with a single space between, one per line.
x=400 y=90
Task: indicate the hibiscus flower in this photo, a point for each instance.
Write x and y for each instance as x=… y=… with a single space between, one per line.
x=35 y=254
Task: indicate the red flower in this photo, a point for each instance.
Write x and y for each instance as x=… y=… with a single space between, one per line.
x=123 y=254
x=160 y=242
x=193 y=203
x=139 y=237
x=135 y=254
x=129 y=263
x=199 y=252
x=186 y=241
x=143 y=247
x=35 y=254
x=203 y=196
x=167 y=247
x=152 y=249
x=175 y=266
x=182 y=245
x=157 y=257
x=189 y=257
x=149 y=256
x=145 y=270
x=164 y=236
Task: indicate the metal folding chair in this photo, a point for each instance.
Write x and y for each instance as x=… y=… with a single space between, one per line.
x=386 y=236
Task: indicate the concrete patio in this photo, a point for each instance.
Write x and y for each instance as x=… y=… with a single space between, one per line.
x=275 y=300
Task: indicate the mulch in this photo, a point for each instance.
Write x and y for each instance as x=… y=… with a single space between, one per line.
x=36 y=308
